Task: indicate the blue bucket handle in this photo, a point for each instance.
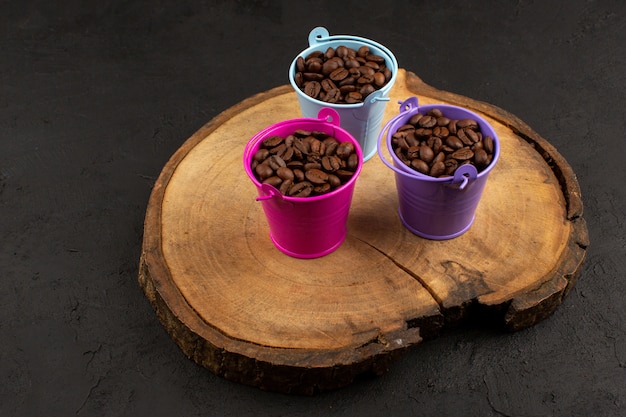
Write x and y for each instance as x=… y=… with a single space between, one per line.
x=462 y=175
x=363 y=112
x=321 y=35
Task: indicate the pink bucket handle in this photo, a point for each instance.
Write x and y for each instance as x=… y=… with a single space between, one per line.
x=269 y=192
x=329 y=115
x=325 y=114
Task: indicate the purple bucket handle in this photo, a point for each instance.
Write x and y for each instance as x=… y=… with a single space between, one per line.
x=462 y=175
x=408 y=104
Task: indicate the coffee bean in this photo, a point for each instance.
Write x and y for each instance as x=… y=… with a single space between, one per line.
x=263 y=171
x=488 y=144
x=312 y=89
x=437 y=169
x=426 y=153
x=301 y=189
x=470 y=123
x=454 y=142
x=285 y=173
x=273 y=180
x=480 y=157
x=420 y=166
x=463 y=154
x=276 y=162
x=427 y=121
x=354 y=97
x=331 y=163
x=273 y=141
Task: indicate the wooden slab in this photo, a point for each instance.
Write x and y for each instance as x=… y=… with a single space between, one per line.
x=239 y=307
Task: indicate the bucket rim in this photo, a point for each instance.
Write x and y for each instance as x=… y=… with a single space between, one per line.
x=323 y=43
x=408 y=108
x=253 y=144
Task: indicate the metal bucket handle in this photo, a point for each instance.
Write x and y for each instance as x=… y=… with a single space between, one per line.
x=325 y=114
x=462 y=175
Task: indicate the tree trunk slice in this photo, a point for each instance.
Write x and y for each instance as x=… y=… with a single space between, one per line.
x=244 y=310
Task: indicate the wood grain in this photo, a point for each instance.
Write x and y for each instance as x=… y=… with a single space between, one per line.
x=238 y=306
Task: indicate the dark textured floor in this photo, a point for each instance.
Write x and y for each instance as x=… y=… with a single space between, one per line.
x=95 y=99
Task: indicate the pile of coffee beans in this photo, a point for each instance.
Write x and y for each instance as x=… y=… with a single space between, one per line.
x=306 y=163
x=342 y=75
x=435 y=145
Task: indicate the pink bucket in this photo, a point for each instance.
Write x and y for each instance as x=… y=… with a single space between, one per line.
x=308 y=227
x=437 y=208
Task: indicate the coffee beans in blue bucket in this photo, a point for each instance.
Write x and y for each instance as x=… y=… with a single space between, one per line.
x=304 y=164
x=435 y=145
x=341 y=75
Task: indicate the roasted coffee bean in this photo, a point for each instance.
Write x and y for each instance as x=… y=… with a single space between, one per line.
x=285 y=186
x=273 y=141
x=344 y=174
x=350 y=70
x=334 y=181
x=301 y=189
x=285 y=173
x=322 y=188
x=298 y=175
x=436 y=145
x=354 y=97
x=316 y=176
x=276 y=162
x=472 y=135
x=263 y=171
x=470 y=123
x=305 y=163
x=331 y=163
x=300 y=67
x=463 y=154
x=353 y=161
x=273 y=180
x=344 y=150
x=261 y=155
x=420 y=166
x=437 y=169
x=426 y=153
x=454 y=142
x=480 y=157
x=427 y=121
x=488 y=144
x=312 y=88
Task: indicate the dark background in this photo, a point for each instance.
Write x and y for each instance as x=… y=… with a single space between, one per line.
x=94 y=99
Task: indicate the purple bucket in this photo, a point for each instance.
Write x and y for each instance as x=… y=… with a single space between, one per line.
x=437 y=208
x=308 y=227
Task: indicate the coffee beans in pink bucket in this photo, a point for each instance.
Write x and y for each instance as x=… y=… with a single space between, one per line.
x=305 y=171
x=442 y=156
x=350 y=74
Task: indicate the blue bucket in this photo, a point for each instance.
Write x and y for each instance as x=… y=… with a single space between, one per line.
x=361 y=120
